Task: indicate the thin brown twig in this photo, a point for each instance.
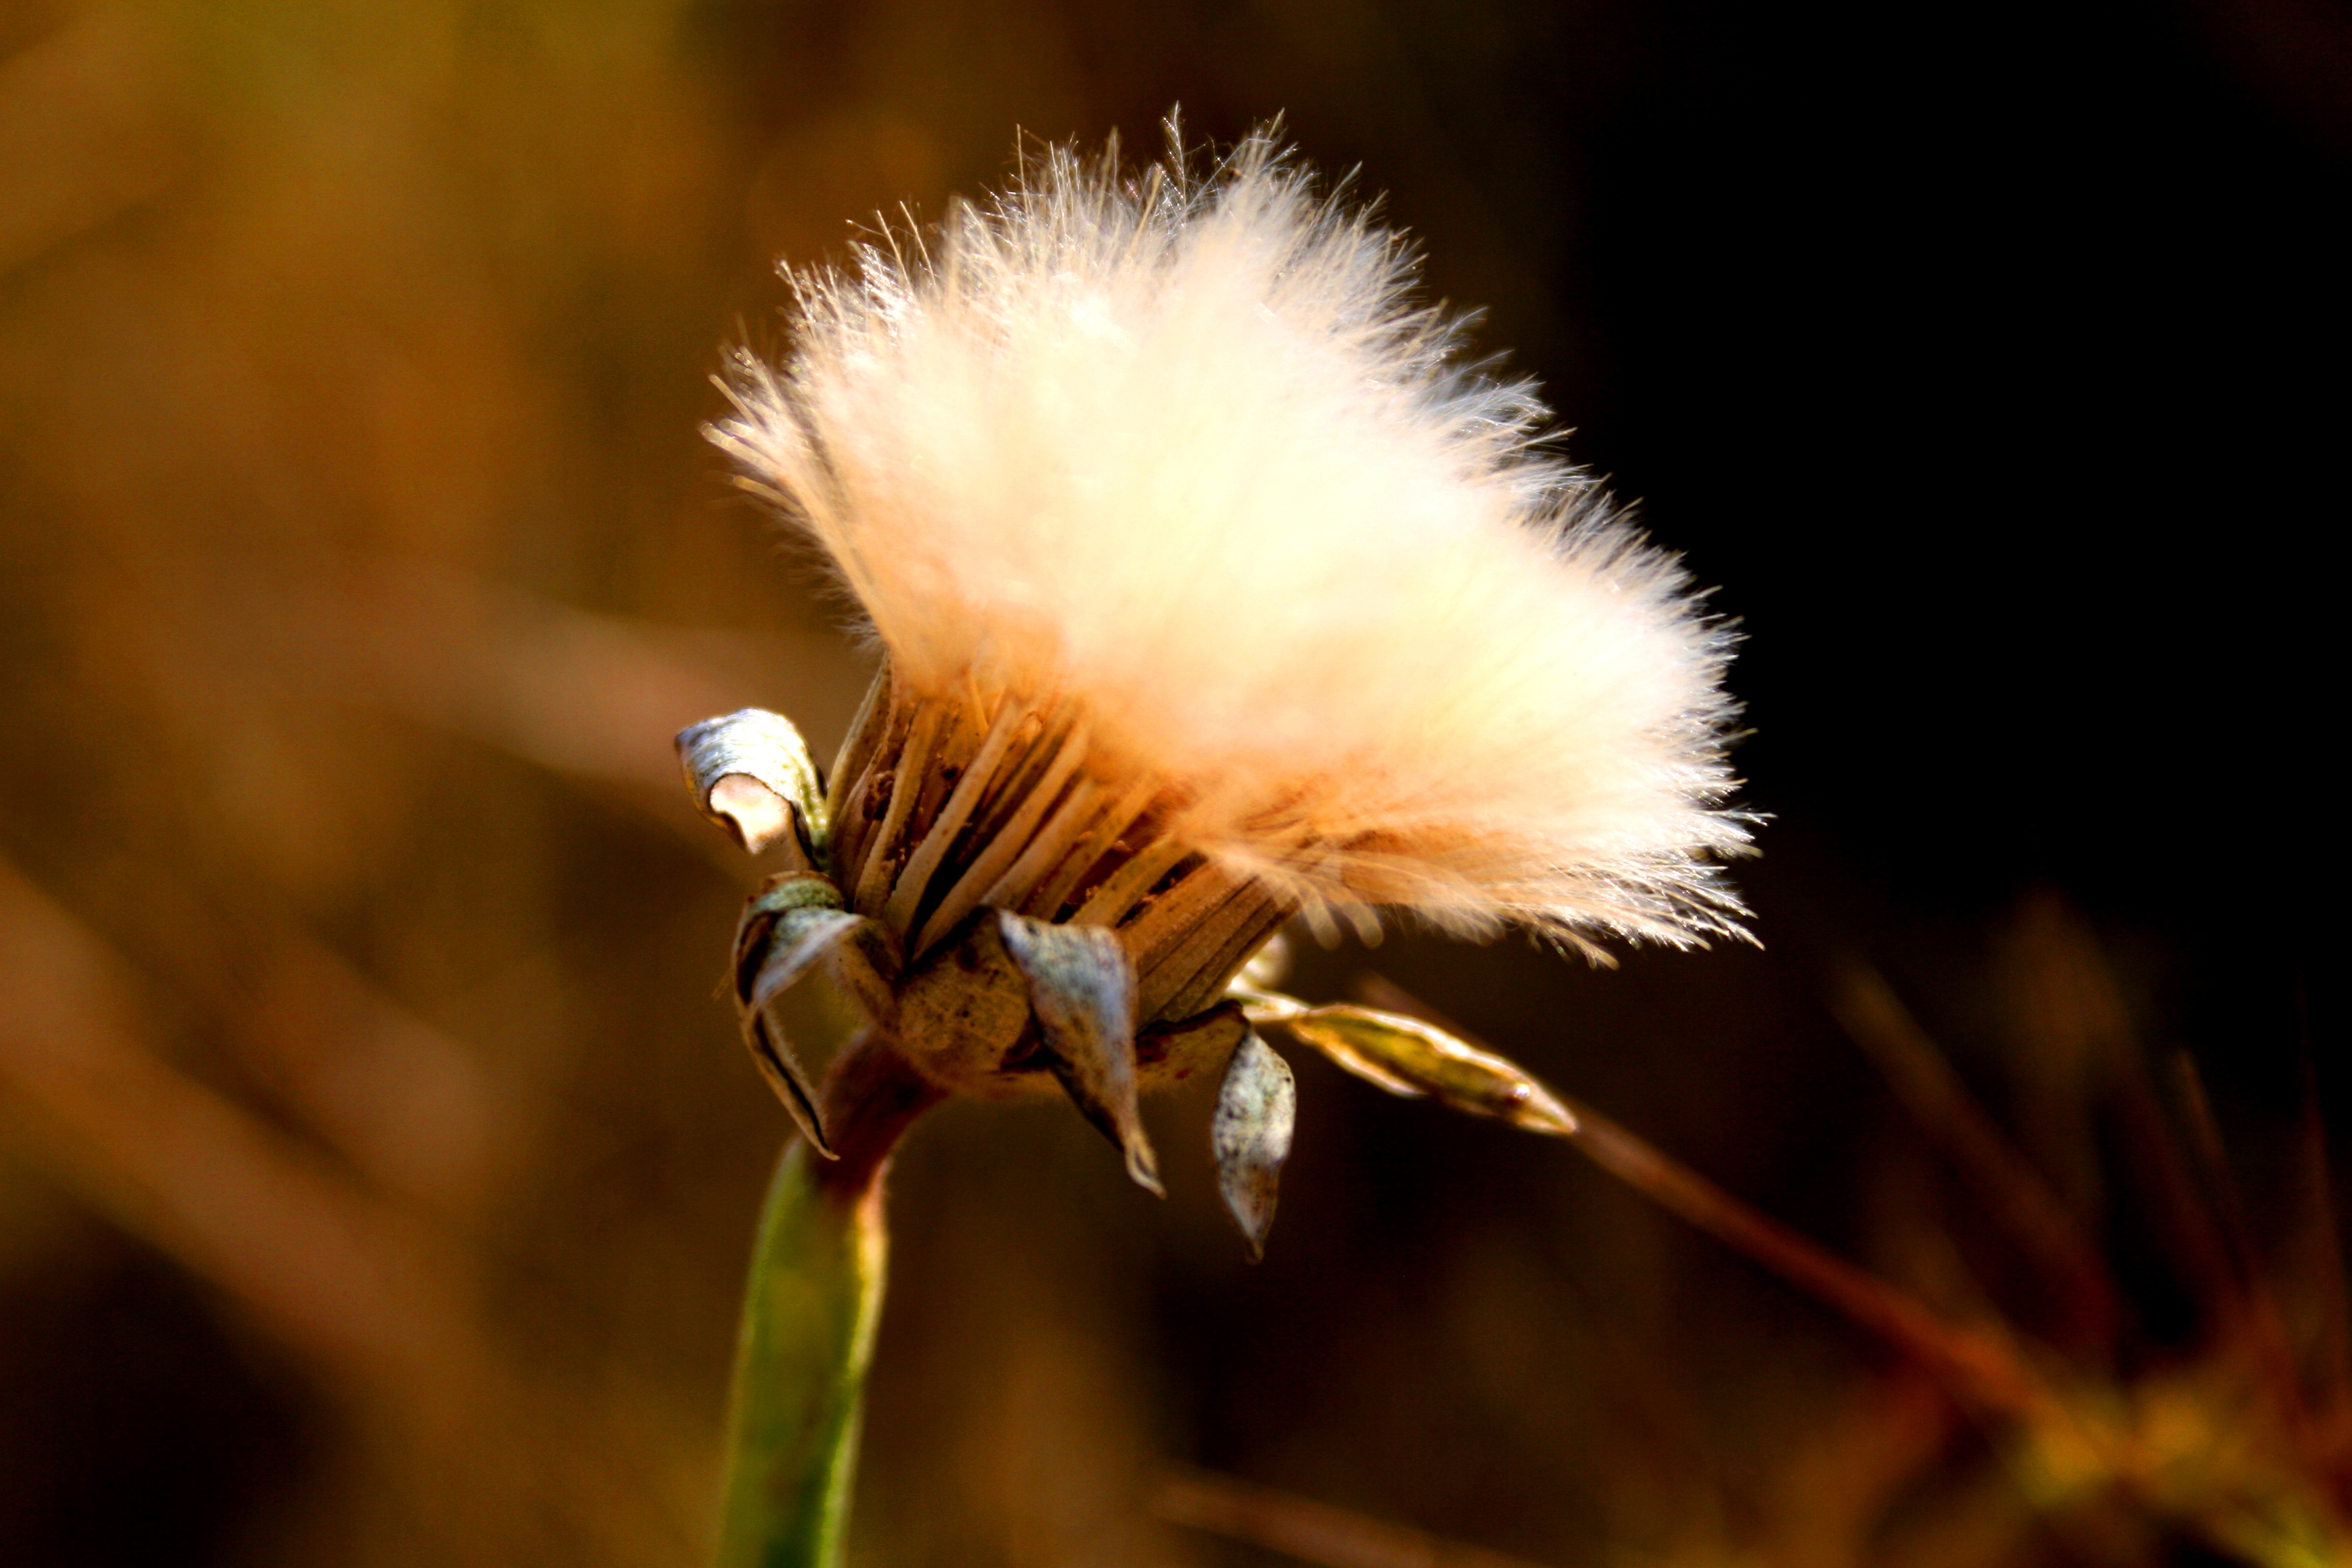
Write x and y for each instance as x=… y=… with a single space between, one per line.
x=1311 y=1531
x=2078 y=995
x=1974 y=1366
x=2265 y=1324
x=2334 y=1352
x=1923 y=1079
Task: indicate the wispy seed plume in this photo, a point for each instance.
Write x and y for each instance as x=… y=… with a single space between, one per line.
x=1180 y=454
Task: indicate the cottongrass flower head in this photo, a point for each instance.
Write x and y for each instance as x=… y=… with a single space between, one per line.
x=1213 y=589
x=1171 y=482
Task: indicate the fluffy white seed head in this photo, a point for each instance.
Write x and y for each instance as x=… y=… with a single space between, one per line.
x=1184 y=452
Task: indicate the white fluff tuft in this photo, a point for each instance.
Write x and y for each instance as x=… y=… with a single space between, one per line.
x=1185 y=451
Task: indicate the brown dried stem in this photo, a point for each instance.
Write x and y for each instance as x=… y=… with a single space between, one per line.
x=1311 y=1531
x=1924 y=1081
x=1975 y=1366
x=2265 y=1325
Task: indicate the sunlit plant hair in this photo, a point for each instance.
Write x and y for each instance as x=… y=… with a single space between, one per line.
x=1181 y=455
x=1213 y=589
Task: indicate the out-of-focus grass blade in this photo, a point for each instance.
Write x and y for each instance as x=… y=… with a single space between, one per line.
x=1305 y=1530
x=2085 y=1309
x=809 y=1315
x=1979 y=1361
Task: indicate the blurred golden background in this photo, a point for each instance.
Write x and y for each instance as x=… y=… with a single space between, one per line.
x=377 y=1162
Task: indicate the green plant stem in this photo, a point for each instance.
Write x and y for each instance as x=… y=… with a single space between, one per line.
x=809 y=1310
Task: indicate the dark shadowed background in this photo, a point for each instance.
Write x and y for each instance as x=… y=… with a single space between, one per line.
x=377 y=1162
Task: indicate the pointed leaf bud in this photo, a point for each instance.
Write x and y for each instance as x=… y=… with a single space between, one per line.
x=1257 y=1106
x=750 y=772
x=1082 y=987
x=795 y=920
x=1407 y=1056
